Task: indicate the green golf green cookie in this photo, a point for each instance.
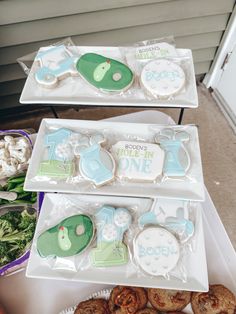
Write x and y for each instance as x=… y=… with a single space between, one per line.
x=70 y=237
x=106 y=74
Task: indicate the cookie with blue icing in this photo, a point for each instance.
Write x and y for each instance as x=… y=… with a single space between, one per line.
x=71 y=236
x=177 y=159
x=56 y=63
x=111 y=224
x=95 y=163
x=105 y=74
x=59 y=155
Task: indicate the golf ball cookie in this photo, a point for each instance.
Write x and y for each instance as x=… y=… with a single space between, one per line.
x=156 y=251
x=162 y=78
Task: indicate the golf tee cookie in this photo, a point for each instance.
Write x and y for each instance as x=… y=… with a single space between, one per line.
x=138 y=161
x=105 y=74
x=162 y=78
x=156 y=251
x=71 y=236
x=111 y=225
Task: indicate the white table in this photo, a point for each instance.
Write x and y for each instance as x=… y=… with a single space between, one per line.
x=22 y=295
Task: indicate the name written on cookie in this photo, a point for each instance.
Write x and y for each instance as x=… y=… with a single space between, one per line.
x=157 y=76
x=156 y=251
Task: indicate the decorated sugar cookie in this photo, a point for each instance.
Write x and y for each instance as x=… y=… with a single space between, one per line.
x=58 y=162
x=70 y=237
x=178 y=223
x=162 y=78
x=56 y=63
x=111 y=224
x=177 y=159
x=95 y=164
x=59 y=156
x=105 y=74
x=138 y=160
x=156 y=251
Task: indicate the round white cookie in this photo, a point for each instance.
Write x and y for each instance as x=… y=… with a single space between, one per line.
x=156 y=251
x=162 y=78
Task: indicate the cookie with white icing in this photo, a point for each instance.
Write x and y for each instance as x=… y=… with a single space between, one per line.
x=162 y=78
x=156 y=251
x=138 y=161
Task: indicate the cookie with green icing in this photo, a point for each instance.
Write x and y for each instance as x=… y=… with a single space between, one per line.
x=70 y=237
x=106 y=74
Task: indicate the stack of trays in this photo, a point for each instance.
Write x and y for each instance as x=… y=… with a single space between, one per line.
x=129 y=207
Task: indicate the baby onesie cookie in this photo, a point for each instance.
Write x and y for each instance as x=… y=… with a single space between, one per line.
x=95 y=306
x=177 y=159
x=105 y=74
x=138 y=161
x=70 y=237
x=218 y=299
x=156 y=251
x=95 y=164
x=56 y=63
x=127 y=300
x=59 y=160
x=168 y=300
x=162 y=78
x=111 y=225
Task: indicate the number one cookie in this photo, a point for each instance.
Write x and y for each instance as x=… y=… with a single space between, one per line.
x=111 y=224
x=59 y=162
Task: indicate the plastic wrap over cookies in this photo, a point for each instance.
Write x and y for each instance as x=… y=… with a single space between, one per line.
x=105 y=74
x=56 y=63
x=162 y=78
x=156 y=251
x=96 y=164
x=138 y=161
x=71 y=236
x=177 y=159
x=59 y=160
x=111 y=224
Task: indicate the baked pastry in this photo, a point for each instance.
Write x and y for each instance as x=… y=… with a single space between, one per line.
x=218 y=300
x=147 y=310
x=95 y=306
x=168 y=300
x=127 y=300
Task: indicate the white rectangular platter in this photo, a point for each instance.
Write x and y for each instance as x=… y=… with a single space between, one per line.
x=191 y=187
x=73 y=90
x=196 y=268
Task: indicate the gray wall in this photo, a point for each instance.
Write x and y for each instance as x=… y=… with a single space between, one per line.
x=25 y=25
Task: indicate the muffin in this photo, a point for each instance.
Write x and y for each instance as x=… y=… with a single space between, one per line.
x=217 y=300
x=168 y=300
x=127 y=300
x=93 y=306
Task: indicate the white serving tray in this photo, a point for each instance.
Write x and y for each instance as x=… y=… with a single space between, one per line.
x=190 y=189
x=196 y=268
x=73 y=90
